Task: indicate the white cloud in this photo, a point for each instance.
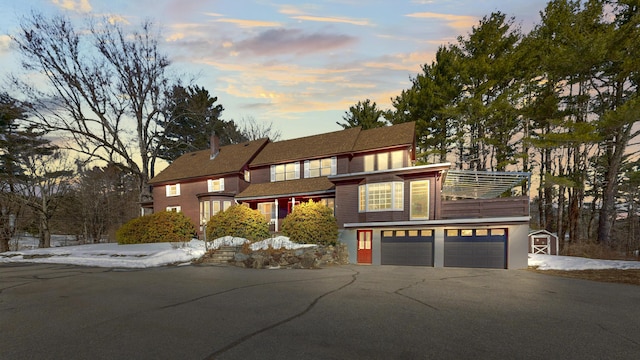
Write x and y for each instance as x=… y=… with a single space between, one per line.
x=5 y=41
x=73 y=5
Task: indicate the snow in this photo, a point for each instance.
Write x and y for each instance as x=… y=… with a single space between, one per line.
x=161 y=254
x=556 y=262
x=132 y=256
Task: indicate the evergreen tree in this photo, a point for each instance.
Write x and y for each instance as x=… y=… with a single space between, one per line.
x=364 y=114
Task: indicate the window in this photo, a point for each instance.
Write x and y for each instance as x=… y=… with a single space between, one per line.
x=215 y=207
x=397 y=159
x=173 y=190
x=320 y=167
x=284 y=172
x=330 y=203
x=226 y=205
x=419 y=199
x=369 y=163
x=381 y=197
x=247 y=176
x=205 y=211
x=215 y=185
x=268 y=210
x=383 y=161
x=173 y=208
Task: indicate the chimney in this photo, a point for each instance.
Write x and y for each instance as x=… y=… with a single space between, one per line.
x=214 y=142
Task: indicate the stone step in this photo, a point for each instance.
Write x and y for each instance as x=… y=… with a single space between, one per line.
x=223 y=254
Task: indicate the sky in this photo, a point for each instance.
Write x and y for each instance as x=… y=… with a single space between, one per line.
x=161 y=254
x=298 y=65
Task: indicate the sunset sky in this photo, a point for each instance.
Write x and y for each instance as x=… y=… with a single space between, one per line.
x=299 y=65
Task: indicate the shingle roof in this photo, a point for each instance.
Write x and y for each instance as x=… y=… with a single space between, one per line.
x=308 y=147
x=384 y=137
x=231 y=158
x=290 y=187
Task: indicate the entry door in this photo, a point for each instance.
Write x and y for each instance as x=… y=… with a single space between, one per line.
x=364 y=246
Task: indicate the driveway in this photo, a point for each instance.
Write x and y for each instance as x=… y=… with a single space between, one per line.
x=342 y=312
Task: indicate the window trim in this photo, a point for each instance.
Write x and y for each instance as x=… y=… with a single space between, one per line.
x=333 y=167
x=396 y=190
x=411 y=199
x=168 y=191
x=274 y=171
x=210 y=183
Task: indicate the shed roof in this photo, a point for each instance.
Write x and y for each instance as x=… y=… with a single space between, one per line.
x=230 y=159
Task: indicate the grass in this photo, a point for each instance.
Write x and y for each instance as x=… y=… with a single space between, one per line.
x=631 y=276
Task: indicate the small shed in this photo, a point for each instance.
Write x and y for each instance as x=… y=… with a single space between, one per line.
x=543 y=242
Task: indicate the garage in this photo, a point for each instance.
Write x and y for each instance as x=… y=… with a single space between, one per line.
x=407 y=247
x=475 y=248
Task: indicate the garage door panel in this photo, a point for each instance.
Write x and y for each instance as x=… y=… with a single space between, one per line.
x=475 y=251
x=407 y=250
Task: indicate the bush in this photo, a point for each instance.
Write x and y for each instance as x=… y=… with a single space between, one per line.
x=238 y=221
x=164 y=226
x=311 y=223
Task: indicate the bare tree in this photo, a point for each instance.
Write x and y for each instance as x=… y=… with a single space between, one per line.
x=105 y=88
x=253 y=130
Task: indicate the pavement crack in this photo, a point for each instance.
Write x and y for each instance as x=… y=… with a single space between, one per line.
x=399 y=292
x=283 y=321
x=620 y=335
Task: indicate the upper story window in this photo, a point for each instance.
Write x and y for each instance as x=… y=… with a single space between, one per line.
x=384 y=161
x=387 y=196
x=320 y=167
x=173 y=190
x=247 y=176
x=215 y=185
x=419 y=199
x=284 y=172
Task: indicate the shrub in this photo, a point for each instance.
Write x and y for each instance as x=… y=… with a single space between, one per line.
x=164 y=226
x=311 y=223
x=238 y=221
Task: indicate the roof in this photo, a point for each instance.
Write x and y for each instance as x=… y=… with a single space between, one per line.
x=337 y=142
x=308 y=147
x=230 y=159
x=481 y=184
x=298 y=187
x=386 y=136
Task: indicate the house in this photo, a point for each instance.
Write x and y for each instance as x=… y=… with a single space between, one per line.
x=389 y=211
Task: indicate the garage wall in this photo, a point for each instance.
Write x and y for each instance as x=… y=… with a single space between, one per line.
x=517 y=243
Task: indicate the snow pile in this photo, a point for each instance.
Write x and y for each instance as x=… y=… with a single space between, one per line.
x=554 y=262
x=278 y=242
x=226 y=241
x=111 y=255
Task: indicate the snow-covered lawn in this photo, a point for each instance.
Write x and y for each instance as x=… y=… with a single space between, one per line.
x=553 y=262
x=151 y=255
x=135 y=256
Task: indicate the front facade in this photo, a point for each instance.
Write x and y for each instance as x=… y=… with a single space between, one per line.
x=389 y=211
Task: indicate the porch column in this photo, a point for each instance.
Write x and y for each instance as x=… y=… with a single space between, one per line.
x=276 y=224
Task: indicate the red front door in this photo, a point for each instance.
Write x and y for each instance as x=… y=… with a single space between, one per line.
x=364 y=246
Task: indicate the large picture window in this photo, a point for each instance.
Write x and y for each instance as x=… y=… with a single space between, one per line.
x=320 y=167
x=284 y=172
x=387 y=196
x=419 y=199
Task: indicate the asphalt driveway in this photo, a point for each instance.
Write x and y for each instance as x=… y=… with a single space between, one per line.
x=342 y=312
